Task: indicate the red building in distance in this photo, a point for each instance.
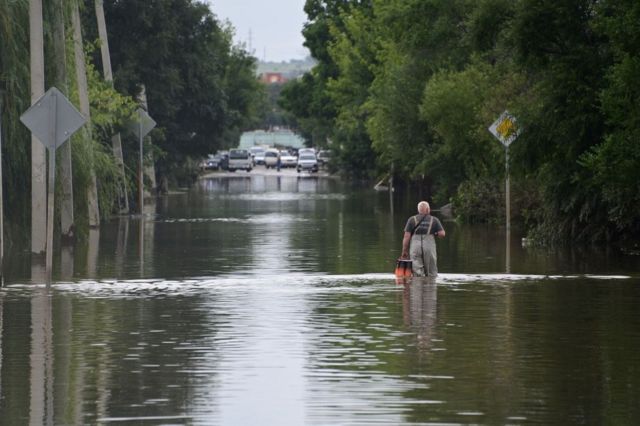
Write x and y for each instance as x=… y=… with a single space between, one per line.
x=273 y=78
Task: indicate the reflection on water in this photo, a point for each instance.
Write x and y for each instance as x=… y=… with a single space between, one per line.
x=270 y=300
x=314 y=349
x=419 y=302
x=41 y=360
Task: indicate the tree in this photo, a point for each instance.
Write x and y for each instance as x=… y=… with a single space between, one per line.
x=116 y=141
x=311 y=107
x=354 y=52
x=614 y=164
x=93 y=210
x=322 y=114
x=184 y=57
x=15 y=93
x=566 y=60
x=60 y=81
x=244 y=93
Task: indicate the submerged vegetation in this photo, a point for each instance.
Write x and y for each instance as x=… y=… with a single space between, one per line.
x=411 y=86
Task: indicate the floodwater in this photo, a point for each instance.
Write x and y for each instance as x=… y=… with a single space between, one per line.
x=266 y=300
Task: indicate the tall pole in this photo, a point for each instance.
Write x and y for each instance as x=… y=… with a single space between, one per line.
x=51 y=185
x=140 y=168
x=507 y=209
x=506 y=130
x=66 y=219
x=50 y=200
x=1 y=204
x=391 y=192
x=141 y=195
x=38 y=151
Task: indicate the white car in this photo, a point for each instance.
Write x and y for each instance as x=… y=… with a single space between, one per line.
x=288 y=160
x=271 y=158
x=307 y=151
x=257 y=152
x=307 y=162
x=239 y=159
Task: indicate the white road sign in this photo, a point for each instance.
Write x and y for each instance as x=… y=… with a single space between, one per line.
x=143 y=125
x=505 y=128
x=52 y=119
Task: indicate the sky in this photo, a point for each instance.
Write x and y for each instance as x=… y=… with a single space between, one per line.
x=270 y=28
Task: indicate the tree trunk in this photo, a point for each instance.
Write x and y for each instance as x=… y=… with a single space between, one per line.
x=38 y=154
x=66 y=171
x=116 y=142
x=83 y=94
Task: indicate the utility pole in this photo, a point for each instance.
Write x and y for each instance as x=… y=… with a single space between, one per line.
x=1 y=202
x=38 y=151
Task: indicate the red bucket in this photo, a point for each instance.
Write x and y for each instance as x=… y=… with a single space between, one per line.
x=403 y=268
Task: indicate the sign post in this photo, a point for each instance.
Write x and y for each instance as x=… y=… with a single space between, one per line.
x=52 y=119
x=1 y=205
x=506 y=130
x=143 y=126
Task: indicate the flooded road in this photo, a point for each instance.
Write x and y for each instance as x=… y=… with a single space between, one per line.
x=269 y=300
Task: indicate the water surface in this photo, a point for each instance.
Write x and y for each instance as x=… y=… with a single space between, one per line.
x=270 y=300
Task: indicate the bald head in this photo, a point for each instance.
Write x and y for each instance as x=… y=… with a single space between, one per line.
x=423 y=207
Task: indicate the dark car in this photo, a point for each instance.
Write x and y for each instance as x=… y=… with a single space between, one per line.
x=212 y=163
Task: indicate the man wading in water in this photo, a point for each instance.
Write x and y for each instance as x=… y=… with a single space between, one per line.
x=419 y=241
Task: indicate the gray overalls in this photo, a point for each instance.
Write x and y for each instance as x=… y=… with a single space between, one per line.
x=423 y=254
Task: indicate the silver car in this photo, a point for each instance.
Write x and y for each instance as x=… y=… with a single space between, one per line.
x=307 y=162
x=287 y=160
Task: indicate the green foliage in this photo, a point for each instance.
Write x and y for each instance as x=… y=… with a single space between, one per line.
x=110 y=110
x=454 y=104
x=308 y=101
x=429 y=76
x=613 y=166
x=404 y=85
x=246 y=96
x=14 y=100
x=353 y=51
x=201 y=90
x=481 y=200
x=400 y=138
x=568 y=60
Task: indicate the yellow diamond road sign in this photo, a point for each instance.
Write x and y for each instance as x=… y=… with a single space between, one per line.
x=505 y=128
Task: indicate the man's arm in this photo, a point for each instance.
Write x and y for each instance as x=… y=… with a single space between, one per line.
x=405 y=244
x=440 y=233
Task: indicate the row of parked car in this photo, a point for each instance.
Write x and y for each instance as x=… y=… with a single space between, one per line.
x=305 y=159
